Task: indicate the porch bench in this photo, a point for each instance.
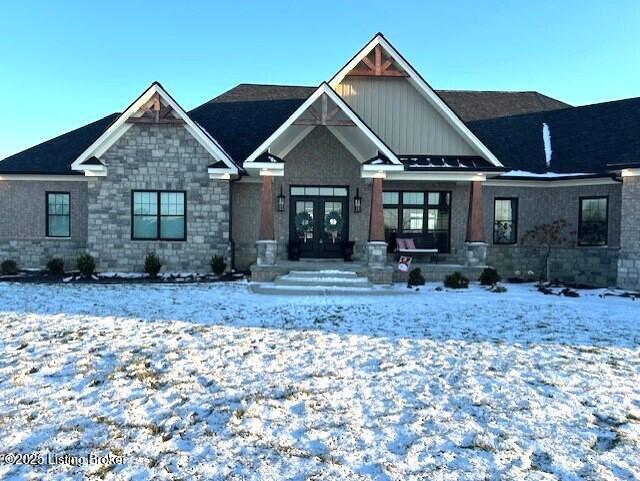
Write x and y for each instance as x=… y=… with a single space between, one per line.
x=407 y=246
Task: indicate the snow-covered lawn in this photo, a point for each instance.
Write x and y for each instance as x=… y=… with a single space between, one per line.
x=211 y=382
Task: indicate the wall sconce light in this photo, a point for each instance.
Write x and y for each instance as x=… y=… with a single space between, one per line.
x=357 y=202
x=281 y=198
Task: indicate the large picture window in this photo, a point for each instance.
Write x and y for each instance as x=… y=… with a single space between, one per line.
x=422 y=216
x=58 y=214
x=593 y=220
x=505 y=221
x=158 y=215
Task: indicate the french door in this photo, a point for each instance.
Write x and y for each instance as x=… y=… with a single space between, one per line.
x=319 y=222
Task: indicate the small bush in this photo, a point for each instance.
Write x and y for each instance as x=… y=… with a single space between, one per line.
x=55 y=266
x=415 y=278
x=152 y=264
x=489 y=277
x=218 y=265
x=8 y=268
x=86 y=265
x=456 y=281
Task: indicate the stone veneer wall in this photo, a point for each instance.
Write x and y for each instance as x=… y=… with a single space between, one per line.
x=23 y=222
x=157 y=157
x=629 y=263
x=594 y=266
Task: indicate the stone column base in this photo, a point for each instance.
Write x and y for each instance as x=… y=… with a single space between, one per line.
x=376 y=254
x=267 y=252
x=475 y=254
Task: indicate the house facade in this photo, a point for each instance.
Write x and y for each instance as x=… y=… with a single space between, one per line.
x=369 y=159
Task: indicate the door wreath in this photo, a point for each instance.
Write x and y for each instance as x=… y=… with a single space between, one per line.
x=333 y=223
x=304 y=223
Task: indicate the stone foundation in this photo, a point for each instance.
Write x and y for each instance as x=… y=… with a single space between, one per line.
x=593 y=266
x=36 y=253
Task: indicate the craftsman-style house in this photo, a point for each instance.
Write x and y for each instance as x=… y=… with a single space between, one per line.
x=371 y=163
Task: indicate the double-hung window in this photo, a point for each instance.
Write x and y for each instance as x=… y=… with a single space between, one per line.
x=58 y=214
x=505 y=221
x=593 y=220
x=158 y=215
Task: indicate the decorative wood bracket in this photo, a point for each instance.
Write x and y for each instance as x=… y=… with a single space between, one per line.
x=153 y=112
x=325 y=116
x=376 y=64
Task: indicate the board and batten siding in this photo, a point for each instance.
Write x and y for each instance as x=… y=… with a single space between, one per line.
x=402 y=117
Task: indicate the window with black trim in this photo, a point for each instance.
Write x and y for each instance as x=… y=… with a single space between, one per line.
x=158 y=215
x=421 y=215
x=58 y=214
x=593 y=221
x=505 y=220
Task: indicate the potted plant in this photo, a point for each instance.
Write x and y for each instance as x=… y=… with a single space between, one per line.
x=347 y=250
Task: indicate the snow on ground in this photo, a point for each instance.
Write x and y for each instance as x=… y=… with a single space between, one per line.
x=209 y=381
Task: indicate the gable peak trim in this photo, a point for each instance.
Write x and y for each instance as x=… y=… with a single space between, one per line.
x=324 y=89
x=422 y=86
x=122 y=124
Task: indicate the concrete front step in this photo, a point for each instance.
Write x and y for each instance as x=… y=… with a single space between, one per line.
x=280 y=290
x=321 y=281
x=332 y=273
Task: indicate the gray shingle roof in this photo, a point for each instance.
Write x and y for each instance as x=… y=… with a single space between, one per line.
x=583 y=139
x=468 y=104
x=55 y=156
x=478 y=105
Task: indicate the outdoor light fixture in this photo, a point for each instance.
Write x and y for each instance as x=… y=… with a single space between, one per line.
x=357 y=201
x=281 y=198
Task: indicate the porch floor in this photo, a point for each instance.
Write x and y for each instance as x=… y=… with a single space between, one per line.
x=432 y=272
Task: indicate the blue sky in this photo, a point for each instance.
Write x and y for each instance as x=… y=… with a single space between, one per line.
x=67 y=63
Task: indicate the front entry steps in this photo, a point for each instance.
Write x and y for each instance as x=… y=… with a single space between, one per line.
x=321 y=283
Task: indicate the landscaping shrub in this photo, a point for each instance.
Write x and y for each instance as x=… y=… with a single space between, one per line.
x=415 y=278
x=456 y=281
x=489 y=277
x=8 y=268
x=55 y=266
x=86 y=265
x=152 y=264
x=218 y=265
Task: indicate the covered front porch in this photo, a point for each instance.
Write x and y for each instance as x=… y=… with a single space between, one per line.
x=446 y=216
x=330 y=188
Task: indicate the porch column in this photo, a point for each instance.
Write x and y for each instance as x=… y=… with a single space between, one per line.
x=267 y=246
x=475 y=246
x=475 y=222
x=376 y=218
x=267 y=231
x=376 y=247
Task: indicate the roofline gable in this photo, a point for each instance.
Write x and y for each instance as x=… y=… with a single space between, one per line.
x=422 y=86
x=325 y=88
x=120 y=126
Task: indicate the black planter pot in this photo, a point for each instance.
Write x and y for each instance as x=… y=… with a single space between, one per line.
x=347 y=250
x=294 y=250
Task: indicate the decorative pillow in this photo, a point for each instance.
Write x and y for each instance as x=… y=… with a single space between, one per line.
x=409 y=244
x=401 y=243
